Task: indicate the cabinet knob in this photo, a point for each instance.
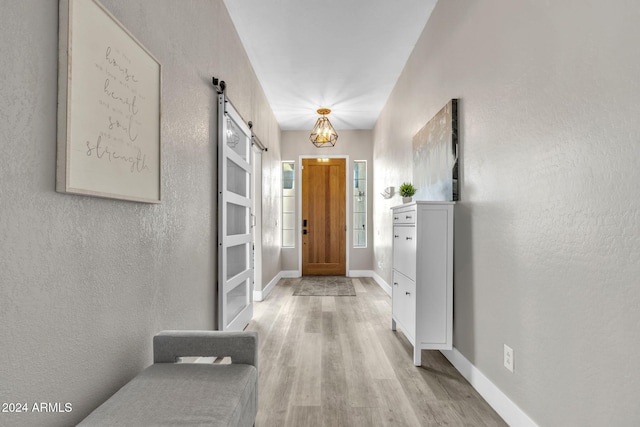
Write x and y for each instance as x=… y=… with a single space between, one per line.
x=408 y=217
x=395 y=218
x=396 y=236
x=408 y=293
x=395 y=283
x=409 y=238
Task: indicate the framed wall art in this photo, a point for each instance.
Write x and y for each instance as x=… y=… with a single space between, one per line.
x=108 y=108
x=435 y=156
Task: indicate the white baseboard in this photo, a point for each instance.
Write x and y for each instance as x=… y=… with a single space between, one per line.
x=261 y=295
x=509 y=411
x=370 y=273
x=360 y=273
x=384 y=285
x=290 y=273
x=264 y=293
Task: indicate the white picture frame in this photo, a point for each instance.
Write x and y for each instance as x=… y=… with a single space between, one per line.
x=109 y=108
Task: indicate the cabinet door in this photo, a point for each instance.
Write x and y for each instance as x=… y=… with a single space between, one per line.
x=404 y=250
x=404 y=304
x=435 y=281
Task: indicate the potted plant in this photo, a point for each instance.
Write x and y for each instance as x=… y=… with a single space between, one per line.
x=407 y=191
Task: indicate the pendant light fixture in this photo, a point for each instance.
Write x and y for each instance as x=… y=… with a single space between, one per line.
x=323 y=134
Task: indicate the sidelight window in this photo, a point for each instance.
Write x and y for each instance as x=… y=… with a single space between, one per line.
x=360 y=204
x=288 y=204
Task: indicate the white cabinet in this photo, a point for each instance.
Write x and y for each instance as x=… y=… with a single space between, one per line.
x=423 y=275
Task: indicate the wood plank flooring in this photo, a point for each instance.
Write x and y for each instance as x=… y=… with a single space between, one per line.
x=334 y=361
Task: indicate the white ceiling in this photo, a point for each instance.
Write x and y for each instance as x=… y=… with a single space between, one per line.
x=345 y=55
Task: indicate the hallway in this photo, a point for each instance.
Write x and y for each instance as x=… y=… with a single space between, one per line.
x=334 y=361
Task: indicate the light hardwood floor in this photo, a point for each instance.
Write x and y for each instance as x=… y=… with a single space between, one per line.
x=334 y=361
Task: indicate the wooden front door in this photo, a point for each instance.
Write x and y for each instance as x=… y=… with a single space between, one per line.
x=324 y=228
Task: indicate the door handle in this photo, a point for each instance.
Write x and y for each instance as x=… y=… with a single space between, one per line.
x=304 y=222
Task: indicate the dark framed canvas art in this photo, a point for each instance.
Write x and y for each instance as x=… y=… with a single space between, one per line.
x=436 y=156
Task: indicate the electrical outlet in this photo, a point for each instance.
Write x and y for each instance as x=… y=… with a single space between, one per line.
x=508 y=358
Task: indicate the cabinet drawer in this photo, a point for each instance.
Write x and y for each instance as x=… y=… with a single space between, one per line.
x=405 y=217
x=404 y=250
x=404 y=303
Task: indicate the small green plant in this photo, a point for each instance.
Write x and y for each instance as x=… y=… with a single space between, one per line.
x=407 y=190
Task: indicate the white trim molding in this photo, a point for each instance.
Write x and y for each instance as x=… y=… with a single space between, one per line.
x=360 y=273
x=370 y=273
x=263 y=294
x=505 y=407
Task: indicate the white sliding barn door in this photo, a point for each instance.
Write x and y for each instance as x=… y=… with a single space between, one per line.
x=235 y=260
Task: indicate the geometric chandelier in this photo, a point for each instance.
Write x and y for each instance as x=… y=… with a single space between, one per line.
x=323 y=134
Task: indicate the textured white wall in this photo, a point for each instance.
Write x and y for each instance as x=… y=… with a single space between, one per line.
x=547 y=234
x=358 y=145
x=86 y=282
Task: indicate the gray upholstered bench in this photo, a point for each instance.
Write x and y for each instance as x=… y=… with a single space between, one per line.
x=174 y=394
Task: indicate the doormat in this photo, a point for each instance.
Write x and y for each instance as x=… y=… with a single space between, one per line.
x=325 y=286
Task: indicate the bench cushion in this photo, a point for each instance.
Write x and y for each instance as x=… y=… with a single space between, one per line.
x=183 y=394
